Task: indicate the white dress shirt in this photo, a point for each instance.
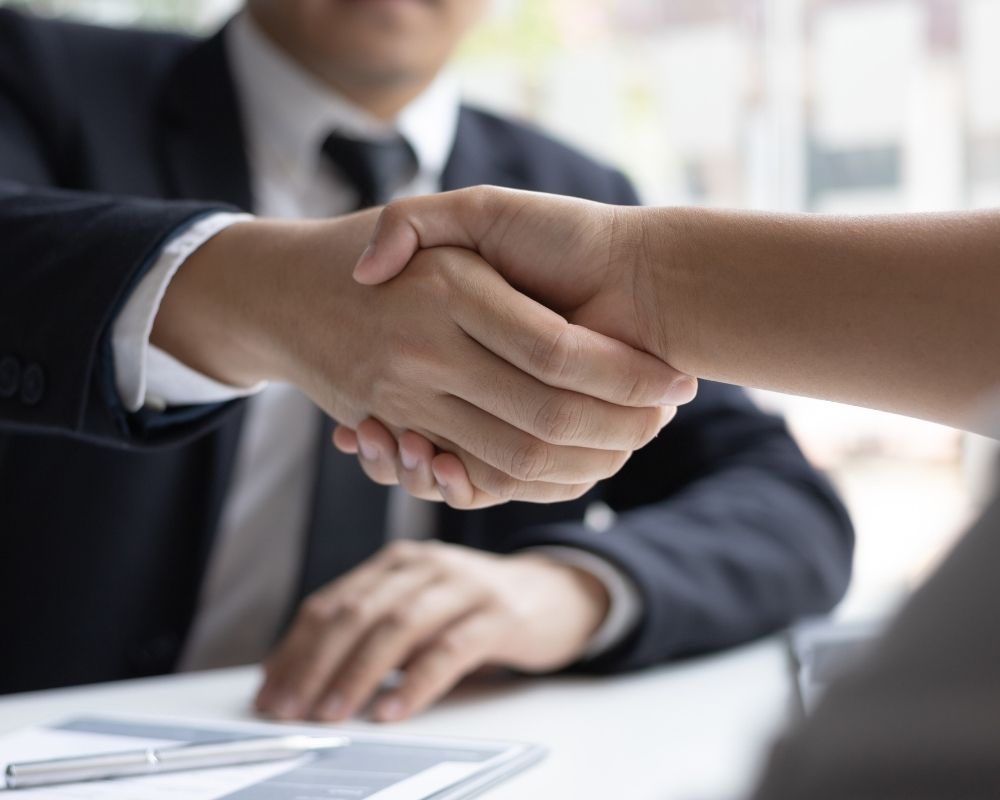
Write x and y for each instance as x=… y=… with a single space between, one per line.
x=251 y=577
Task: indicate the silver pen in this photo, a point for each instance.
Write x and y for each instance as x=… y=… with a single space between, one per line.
x=155 y=760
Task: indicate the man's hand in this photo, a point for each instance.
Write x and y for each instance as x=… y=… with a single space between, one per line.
x=581 y=258
x=435 y=611
x=537 y=408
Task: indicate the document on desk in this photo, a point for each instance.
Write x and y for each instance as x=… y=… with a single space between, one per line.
x=375 y=765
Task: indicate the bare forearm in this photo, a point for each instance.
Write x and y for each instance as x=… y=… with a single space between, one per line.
x=232 y=311
x=899 y=313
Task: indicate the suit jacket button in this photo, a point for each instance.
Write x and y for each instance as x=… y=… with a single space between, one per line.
x=10 y=377
x=32 y=385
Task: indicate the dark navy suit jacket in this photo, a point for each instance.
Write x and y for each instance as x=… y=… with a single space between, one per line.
x=111 y=140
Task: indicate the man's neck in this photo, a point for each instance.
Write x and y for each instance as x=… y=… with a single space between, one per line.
x=382 y=102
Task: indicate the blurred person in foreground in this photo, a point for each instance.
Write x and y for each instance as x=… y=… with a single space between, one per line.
x=900 y=313
x=166 y=361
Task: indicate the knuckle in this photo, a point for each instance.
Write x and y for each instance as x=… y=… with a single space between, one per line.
x=529 y=460
x=633 y=389
x=560 y=419
x=397 y=620
x=315 y=610
x=437 y=553
x=500 y=486
x=402 y=550
x=453 y=645
x=553 y=354
x=353 y=612
x=395 y=213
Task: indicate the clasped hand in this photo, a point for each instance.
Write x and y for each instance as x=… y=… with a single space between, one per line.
x=580 y=258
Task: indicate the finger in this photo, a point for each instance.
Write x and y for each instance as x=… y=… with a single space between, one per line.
x=452 y=218
x=412 y=467
x=456 y=652
x=453 y=478
x=345 y=440
x=415 y=475
x=328 y=623
x=539 y=342
x=421 y=482
x=516 y=453
x=552 y=415
x=377 y=452
x=449 y=479
x=485 y=486
x=390 y=642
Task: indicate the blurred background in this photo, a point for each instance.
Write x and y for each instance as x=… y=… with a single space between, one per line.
x=843 y=106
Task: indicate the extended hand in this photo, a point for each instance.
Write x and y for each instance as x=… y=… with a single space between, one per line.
x=435 y=611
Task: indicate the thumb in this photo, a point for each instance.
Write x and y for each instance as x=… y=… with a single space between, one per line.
x=454 y=219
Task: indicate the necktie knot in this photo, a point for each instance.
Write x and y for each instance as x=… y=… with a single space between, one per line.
x=374 y=168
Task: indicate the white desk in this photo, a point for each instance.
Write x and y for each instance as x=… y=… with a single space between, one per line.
x=696 y=730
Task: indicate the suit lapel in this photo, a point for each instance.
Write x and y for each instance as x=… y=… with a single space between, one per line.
x=204 y=150
x=477 y=158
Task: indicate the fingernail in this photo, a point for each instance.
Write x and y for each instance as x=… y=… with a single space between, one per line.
x=390 y=709
x=441 y=482
x=681 y=391
x=331 y=707
x=368 y=450
x=410 y=461
x=366 y=256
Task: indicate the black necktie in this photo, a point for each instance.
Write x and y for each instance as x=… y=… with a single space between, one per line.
x=376 y=168
x=349 y=510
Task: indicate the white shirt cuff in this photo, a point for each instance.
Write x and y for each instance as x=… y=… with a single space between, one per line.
x=144 y=374
x=625 y=602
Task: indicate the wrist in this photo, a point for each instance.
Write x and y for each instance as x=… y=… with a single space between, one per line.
x=239 y=310
x=669 y=271
x=202 y=318
x=587 y=593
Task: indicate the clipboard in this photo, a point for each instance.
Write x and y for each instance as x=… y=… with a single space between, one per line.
x=376 y=765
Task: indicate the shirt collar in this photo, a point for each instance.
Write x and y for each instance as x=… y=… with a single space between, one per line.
x=288 y=113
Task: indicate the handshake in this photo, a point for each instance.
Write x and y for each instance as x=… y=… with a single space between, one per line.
x=489 y=345
x=556 y=384
x=509 y=351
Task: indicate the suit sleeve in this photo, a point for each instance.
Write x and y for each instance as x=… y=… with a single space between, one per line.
x=723 y=526
x=68 y=260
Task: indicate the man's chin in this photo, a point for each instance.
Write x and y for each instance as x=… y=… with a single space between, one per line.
x=388 y=12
